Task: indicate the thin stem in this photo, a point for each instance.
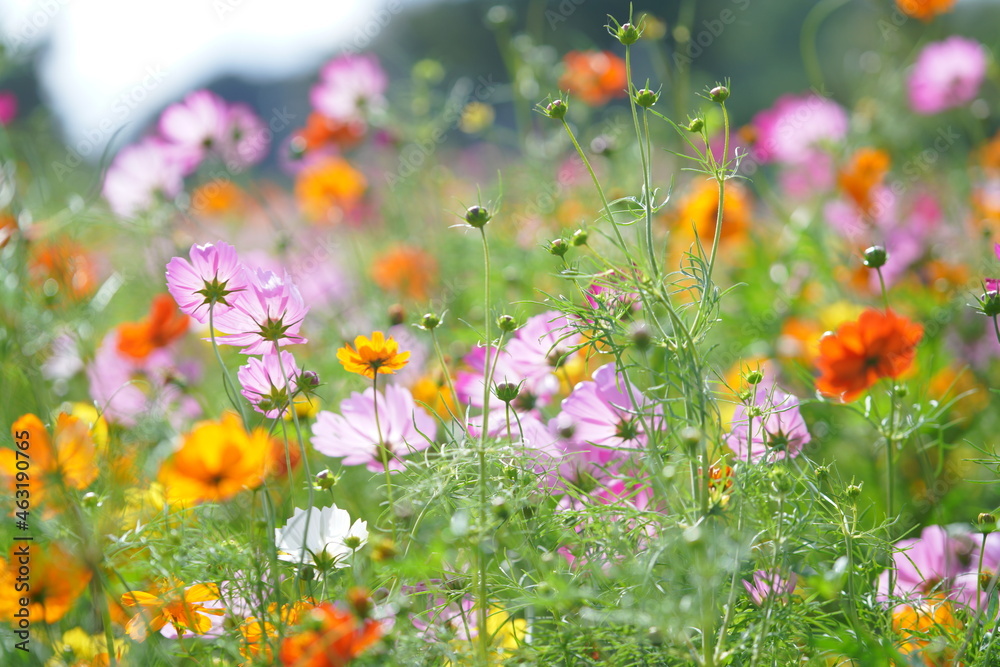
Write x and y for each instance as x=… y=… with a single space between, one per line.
x=447 y=374
x=227 y=380
x=644 y=158
x=885 y=292
x=720 y=176
x=482 y=608
x=384 y=454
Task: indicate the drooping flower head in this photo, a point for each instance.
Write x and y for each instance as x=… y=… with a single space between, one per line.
x=947 y=74
x=330 y=540
x=878 y=345
x=769 y=431
x=371 y=357
x=211 y=279
x=269 y=384
x=266 y=314
x=350 y=88
x=354 y=434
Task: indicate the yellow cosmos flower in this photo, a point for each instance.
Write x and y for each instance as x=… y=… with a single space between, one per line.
x=371 y=357
x=171 y=603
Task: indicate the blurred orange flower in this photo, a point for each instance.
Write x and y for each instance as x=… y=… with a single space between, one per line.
x=407 y=270
x=433 y=392
x=699 y=209
x=925 y=10
x=8 y=227
x=217 y=460
x=928 y=628
x=164 y=325
x=860 y=353
x=866 y=170
x=57 y=579
x=170 y=602
x=65 y=460
x=334 y=638
x=217 y=197
x=257 y=631
x=593 y=77
x=62 y=267
x=321 y=131
x=328 y=186
x=378 y=355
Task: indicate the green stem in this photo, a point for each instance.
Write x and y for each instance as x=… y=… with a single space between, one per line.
x=644 y=158
x=720 y=177
x=482 y=608
x=384 y=454
x=808 y=42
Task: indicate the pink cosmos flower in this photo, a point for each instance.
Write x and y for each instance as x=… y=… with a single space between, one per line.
x=542 y=346
x=267 y=313
x=947 y=74
x=402 y=428
x=141 y=174
x=268 y=387
x=769 y=584
x=248 y=140
x=778 y=432
x=350 y=87
x=8 y=107
x=975 y=581
x=603 y=415
x=213 y=276
x=200 y=124
x=796 y=126
x=927 y=565
x=533 y=393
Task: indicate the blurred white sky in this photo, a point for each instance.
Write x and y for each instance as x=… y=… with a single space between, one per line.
x=110 y=63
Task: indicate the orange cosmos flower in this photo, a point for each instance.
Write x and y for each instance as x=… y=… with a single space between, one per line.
x=867 y=169
x=407 y=270
x=170 y=602
x=593 y=76
x=334 y=638
x=925 y=10
x=164 y=325
x=55 y=581
x=8 y=227
x=929 y=629
x=328 y=186
x=66 y=265
x=701 y=207
x=321 y=131
x=217 y=197
x=257 y=631
x=217 y=460
x=370 y=357
x=65 y=460
x=860 y=353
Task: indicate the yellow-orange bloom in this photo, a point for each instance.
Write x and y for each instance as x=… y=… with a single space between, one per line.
x=77 y=648
x=256 y=631
x=370 y=357
x=334 y=638
x=329 y=187
x=55 y=580
x=701 y=208
x=866 y=170
x=65 y=460
x=406 y=270
x=66 y=265
x=925 y=10
x=217 y=197
x=217 y=460
x=171 y=603
x=929 y=629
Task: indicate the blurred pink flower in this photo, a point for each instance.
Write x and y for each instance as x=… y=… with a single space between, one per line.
x=142 y=174
x=268 y=313
x=779 y=430
x=8 y=107
x=947 y=74
x=769 y=584
x=249 y=138
x=214 y=275
x=795 y=126
x=354 y=434
x=265 y=385
x=993 y=284
x=200 y=124
x=350 y=87
x=927 y=565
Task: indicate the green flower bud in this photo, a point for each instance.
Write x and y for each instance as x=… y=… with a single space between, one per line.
x=507 y=391
x=696 y=125
x=478 y=216
x=506 y=323
x=853 y=491
x=875 y=257
x=754 y=377
x=646 y=98
x=580 y=237
x=628 y=34
x=556 y=109
x=558 y=247
x=719 y=94
x=429 y=321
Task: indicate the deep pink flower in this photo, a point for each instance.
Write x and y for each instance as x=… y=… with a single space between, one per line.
x=214 y=275
x=199 y=124
x=769 y=584
x=603 y=415
x=269 y=311
x=796 y=126
x=354 y=434
x=8 y=107
x=947 y=74
x=350 y=87
x=778 y=432
x=142 y=174
x=266 y=386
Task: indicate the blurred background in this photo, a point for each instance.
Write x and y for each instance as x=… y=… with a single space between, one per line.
x=106 y=68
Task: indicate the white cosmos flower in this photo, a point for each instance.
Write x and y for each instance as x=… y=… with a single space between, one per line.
x=326 y=541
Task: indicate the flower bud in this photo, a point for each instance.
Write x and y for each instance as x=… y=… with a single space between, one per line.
x=580 y=237
x=558 y=247
x=478 y=216
x=628 y=34
x=641 y=336
x=780 y=481
x=556 y=109
x=352 y=542
x=429 y=321
x=754 y=377
x=696 y=125
x=646 y=98
x=360 y=601
x=989 y=304
x=719 y=94
x=507 y=391
x=690 y=437
x=875 y=257
x=822 y=472
x=397 y=315
x=309 y=379
x=987 y=522
x=500 y=507
x=325 y=480
x=853 y=490
x=506 y=323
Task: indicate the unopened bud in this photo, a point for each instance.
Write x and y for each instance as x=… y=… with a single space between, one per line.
x=556 y=109
x=558 y=247
x=397 y=315
x=853 y=490
x=754 y=377
x=429 y=321
x=580 y=237
x=506 y=323
x=696 y=125
x=719 y=94
x=628 y=34
x=507 y=391
x=875 y=257
x=646 y=98
x=478 y=216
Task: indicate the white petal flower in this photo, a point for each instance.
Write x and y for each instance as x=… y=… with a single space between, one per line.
x=329 y=529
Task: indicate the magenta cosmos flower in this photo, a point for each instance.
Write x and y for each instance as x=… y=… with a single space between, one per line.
x=350 y=87
x=603 y=415
x=213 y=276
x=143 y=174
x=796 y=126
x=402 y=428
x=779 y=430
x=8 y=107
x=268 y=384
x=267 y=313
x=947 y=75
